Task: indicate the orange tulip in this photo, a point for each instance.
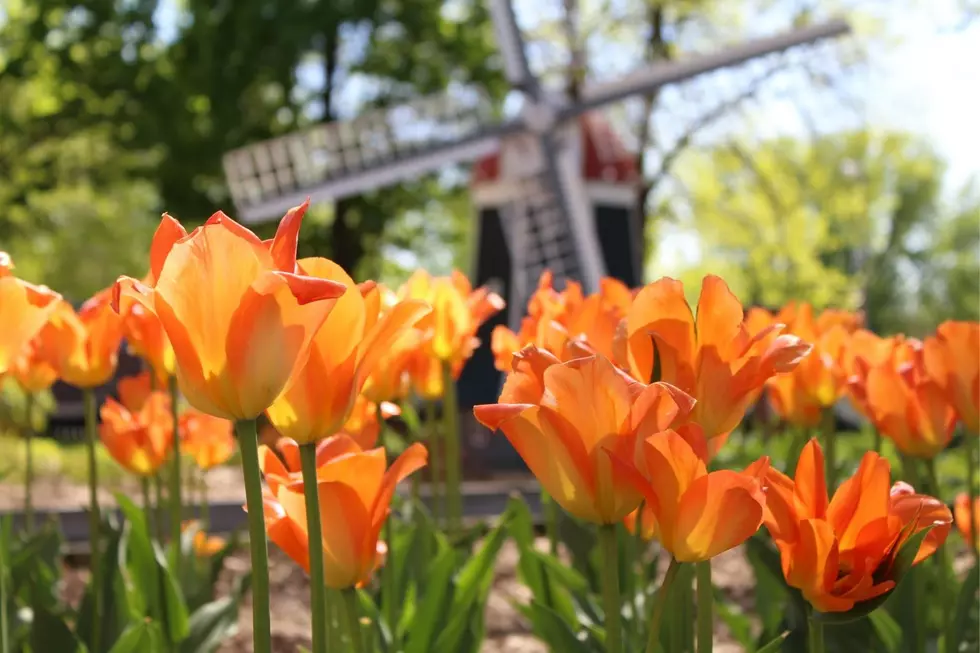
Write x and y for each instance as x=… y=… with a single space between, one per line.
x=696 y=514
x=867 y=350
x=345 y=350
x=209 y=440
x=962 y=514
x=952 y=360
x=907 y=406
x=204 y=545
x=711 y=356
x=840 y=552
x=458 y=311
x=237 y=314
x=134 y=390
x=24 y=310
x=36 y=369
x=363 y=426
x=146 y=338
x=87 y=342
x=355 y=494
x=818 y=381
x=565 y=418
x=138 y=441
x=554 y=318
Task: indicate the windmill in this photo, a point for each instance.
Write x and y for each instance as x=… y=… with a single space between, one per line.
x=545 y=218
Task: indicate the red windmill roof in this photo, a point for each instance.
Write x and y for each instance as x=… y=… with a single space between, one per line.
x=605 y=158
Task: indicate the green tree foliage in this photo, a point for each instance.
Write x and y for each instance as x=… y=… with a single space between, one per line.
x=853 y=219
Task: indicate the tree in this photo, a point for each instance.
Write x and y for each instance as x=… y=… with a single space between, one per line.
x=852 y=219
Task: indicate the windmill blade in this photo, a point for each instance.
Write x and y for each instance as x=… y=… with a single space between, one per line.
x=377 y=148
x=654 y=77
x=511 y=45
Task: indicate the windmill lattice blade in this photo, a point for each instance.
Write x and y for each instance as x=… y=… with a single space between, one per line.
x=375 y=149
x=511 y=44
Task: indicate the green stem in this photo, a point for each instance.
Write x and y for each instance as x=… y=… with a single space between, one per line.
x=389 y=598
x=815 y=632
x=95 y=519
x=829 y=428
x=971 y=440
x=353 y=620
x=551 y=521
x=148 y=505
x=176 y=505
x=941 y=562
x=158 y=510
x=29 y=463
x=639 y=548
x=705 y=607
x=454 y=497
x=4 y=554
x=205 y=506
x=318 y=587
x=609 y=549
x=436 y=463
x=656 y=615
x=246 y=432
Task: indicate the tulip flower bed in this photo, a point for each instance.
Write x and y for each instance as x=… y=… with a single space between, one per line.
x=623 y=405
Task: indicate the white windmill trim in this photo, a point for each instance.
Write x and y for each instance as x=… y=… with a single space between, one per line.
x=609 y=193
x=500 y=192
x=580 y=212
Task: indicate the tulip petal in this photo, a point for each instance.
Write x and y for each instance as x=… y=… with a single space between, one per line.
x=719 y=315
x=25 y=310
x=334 y=447
x=660 y=311
x=860 y=499
x=283 y=247
x=717 y=512
x=168 y=232
x=286 y=534
x=378 y=341
x=815 y=566
x=811 y=484
x=671 y=466
x=592 y=396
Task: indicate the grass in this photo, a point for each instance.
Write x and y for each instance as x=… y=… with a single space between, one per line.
x=68 y=463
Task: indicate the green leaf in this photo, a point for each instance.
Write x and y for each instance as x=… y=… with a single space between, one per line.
x=900 y=567
x=779 y=606
x=549 y=626
x=739 y=624
x=213 y=622
x=117 y=612
x=370 y=610
x=775 y=644
x=887 y=629
x=472 y=587
x=50 y=633
x=177 y=620
x=966 y=601
x=431 y=615
x=142 y=637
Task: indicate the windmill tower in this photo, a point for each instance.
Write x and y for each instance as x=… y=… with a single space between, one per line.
x=550 y=184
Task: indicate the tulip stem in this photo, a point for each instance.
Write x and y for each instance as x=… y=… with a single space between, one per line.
x=148 y=506
x=815 y=634
x=659 y=602
x=639 y=548
x=389 y=597
x=353 y=620
x=550 y=521
x=176 y=505
x=454 y=499
x=830 y=449
x=248 y=442
x=94 y=518
x=705 y=607
x=971 y=440
x=940 y=551
x=609 y=549
x=158 y=516
x=205 y=506
x=318 y=587
x=29 y=462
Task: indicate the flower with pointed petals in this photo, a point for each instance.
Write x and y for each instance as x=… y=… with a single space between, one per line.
x=363 y=426
x=87 y=342
x=37 y=367
x=355 y=494
x=963 y=515
x=564 y=419
x=952 y=360
x=696 y=514
x=841 y=552
x=237 y=313
x=134 y=390
x=345 y=350
x=209 y=440
x=139 y=441
x=907 y=406
x=710 y=355
x=24 y=310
